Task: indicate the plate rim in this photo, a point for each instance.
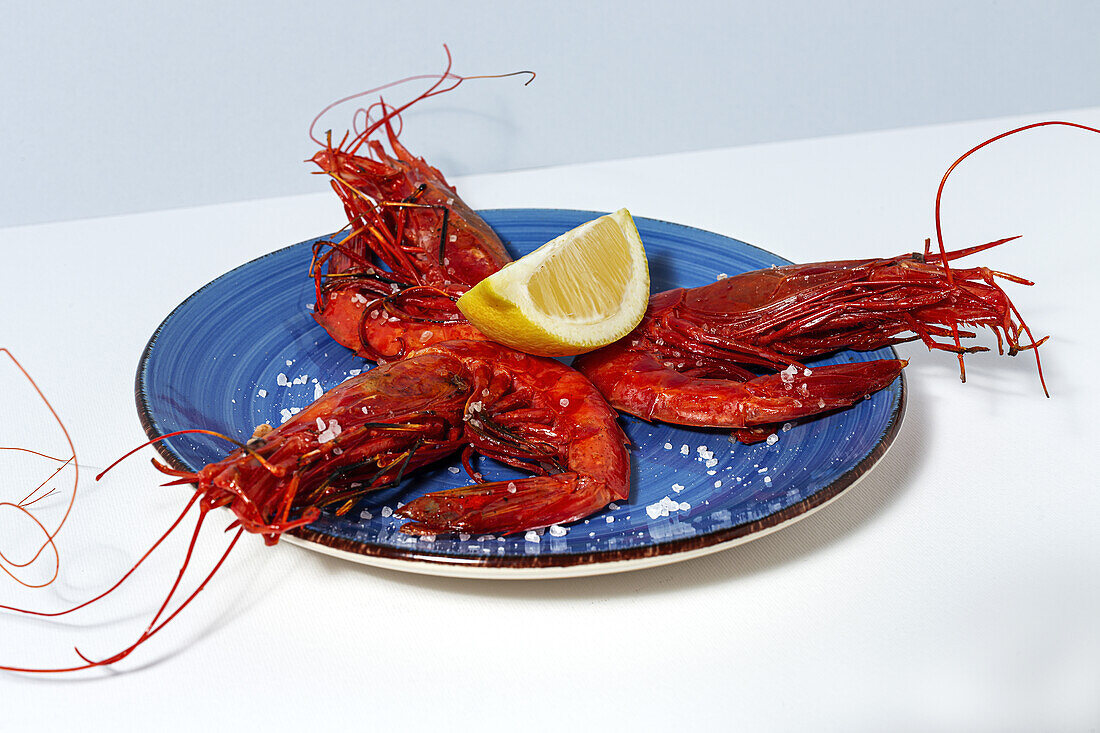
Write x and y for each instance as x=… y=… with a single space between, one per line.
x=410 y=559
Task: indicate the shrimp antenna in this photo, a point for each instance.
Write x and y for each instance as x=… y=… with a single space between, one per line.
x=433 y=90
x=944 y=256
x=237 y=443
x=49 y=536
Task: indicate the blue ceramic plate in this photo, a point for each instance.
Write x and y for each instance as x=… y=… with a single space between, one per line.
x=245 y=350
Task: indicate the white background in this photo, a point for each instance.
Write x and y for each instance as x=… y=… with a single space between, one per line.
x=117 y=107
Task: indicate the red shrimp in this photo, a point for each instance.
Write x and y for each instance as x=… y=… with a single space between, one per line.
x=389 y=283
x=695 y=358
x=370 y=431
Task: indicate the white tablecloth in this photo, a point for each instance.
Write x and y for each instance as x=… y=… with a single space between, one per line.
x=954 y=588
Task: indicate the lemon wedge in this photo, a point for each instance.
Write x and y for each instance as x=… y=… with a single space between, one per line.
x=578 y=292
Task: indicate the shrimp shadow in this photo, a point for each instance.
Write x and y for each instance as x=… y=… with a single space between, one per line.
x=856 y=508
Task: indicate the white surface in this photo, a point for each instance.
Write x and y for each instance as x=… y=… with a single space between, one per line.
x=954 y=588
x=122 y=106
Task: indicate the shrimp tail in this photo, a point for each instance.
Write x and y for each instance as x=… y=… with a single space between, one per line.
x=507 y=506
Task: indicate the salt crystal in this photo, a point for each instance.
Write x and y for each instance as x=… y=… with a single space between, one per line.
x=463 y=537
x=768 y=480
x=563 y=402
x=787 y=426
x=511 y=487
x=386 y=511
x=712 y=463
x=556 y=530
x=721 y=276
x=717 y=484
x=684 y=449
x=677 y=488
x=365 y=515
x=289 y=362
x=684 y=506
x=807 y=372
x=763 y=470
x=262 y=393
x=609 y=520
x=317 y=391
x=772 y=439
x=281 y=380
x=454 y=237
x=531 y=536
x=453 y=469
x=668 y=446
x=320 y=424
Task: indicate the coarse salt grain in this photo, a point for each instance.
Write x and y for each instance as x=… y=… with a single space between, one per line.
x=556 y=530
x=531 y=536
x=262 y=393
x=684 y=449
x=387 y=511
x=563 y=402
x=668 y=446
x=609 y=520
x=772 y=439
x=317 y=391
x=281 y=380
x=677 y=488
x=453 y=469
x=718 y=484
